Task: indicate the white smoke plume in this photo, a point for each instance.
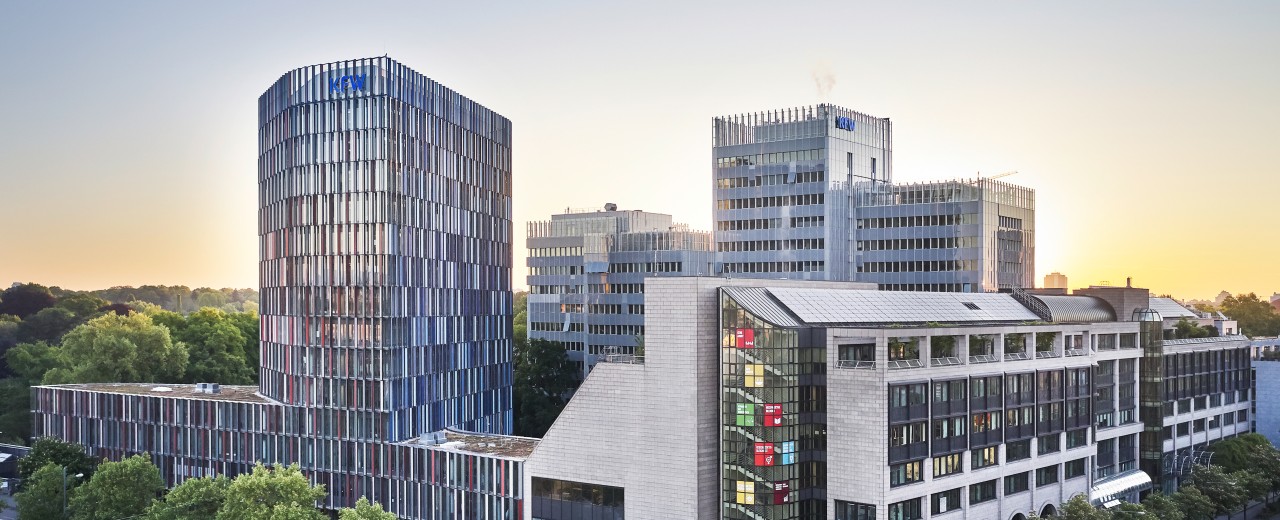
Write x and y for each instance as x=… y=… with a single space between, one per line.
x=824 y=79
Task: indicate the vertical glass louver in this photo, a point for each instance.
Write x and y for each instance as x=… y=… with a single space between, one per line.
x=385 y=235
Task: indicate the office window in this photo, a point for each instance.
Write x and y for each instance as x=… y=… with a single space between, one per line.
x=854 y=511
x=1017 y=483
x=947 y=465
x=1077 y=438
x=1047 y=475
x=982 y=492
x=1073 y=469
x=945 y=501
x=1017 y=450
x=947 y=428
x=986 y=421
x=983 y=457
x=905 y=473
x=902 y=396
x=906 y=510
x=1048 y=443
x=903 y=434
x=1184 y=429
x=944 y=391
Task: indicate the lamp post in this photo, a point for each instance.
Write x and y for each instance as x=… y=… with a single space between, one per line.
x=64 y=489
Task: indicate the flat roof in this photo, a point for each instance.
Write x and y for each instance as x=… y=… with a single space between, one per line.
x=244 y=394
x=791 y=307
x=481 y=443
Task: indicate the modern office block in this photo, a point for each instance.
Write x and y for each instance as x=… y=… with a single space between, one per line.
x=799 y=399
x=781 y=189
x=587 y=272
x=953 y=236
x=385 y=233
x=1194 y=391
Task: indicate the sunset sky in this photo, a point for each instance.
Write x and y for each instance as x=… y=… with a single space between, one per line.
x=1148 y=129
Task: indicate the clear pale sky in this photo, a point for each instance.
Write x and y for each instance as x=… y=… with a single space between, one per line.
x=1148 y=129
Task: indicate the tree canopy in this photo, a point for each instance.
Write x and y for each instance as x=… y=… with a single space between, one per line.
x=1256 y=316
x=544 y=377
x=118 y=490
x=193 y=498
x=42 y=495
x=25 y=300
x=365 y=510
x=57 y=452
x=271 y=494
x=124 y=349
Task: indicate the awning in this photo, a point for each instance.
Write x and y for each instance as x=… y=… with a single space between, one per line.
x=1109 y=491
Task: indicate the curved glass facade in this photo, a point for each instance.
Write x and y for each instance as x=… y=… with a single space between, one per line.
x=385 y=236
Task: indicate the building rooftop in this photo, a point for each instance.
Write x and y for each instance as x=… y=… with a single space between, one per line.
x=479 y=443
x=247 y=394
x=793 y=307
x=1170 y=309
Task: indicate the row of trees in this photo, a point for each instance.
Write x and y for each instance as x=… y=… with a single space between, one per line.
x=1244 y=469
x=83 y=339
x=23 y=300
x=60 y=482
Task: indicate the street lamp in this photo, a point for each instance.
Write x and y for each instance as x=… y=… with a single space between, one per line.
x=64 y=489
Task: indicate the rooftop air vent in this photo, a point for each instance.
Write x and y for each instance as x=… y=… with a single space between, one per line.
x=161 y=389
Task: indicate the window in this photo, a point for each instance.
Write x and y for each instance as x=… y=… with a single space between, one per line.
x=946 y=501
x=985 y=386
x=904 y=434
x=1077 y=438
x=1017 y=450
x=560 y=498
x=854 y=511
x=1048 y=443
x=906 y=510
x=983 y=457
x=905 y=473
x=944 y=391
x=1047 y=475
x=947 y=465
x=947 y=428
x=986 y=421
x=1184 y=429
x=1073 y=469
x=982 y=492
x=1016 y=483
x=745 y=414
x=1019 y=416
x=1126 y=416
x=903 y=396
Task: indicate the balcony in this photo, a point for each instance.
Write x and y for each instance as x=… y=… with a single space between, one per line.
x=855 y=364
x=983 y=358
x=898 y=364
x=945 y=361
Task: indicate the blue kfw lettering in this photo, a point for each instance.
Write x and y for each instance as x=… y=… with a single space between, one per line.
x=844 y=123
x=353 y=82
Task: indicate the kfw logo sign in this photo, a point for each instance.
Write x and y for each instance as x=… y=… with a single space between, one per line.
x=844 y=123
x=353 y=82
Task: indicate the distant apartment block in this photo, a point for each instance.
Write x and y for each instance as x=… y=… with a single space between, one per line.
x=587 y=273
x=1055 y=280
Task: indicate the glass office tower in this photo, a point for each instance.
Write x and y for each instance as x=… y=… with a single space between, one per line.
x=385 y=227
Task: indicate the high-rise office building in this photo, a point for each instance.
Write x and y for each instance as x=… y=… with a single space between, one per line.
x=385 y=232
x=952 y=236
x=808 y=194
x=587 y=270
x=781 y=189
x=1055 y=280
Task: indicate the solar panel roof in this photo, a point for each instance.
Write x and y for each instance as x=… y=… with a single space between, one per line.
x=853 y=307
x=1170 y=309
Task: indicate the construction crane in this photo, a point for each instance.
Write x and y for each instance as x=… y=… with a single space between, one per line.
x=998 y=175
